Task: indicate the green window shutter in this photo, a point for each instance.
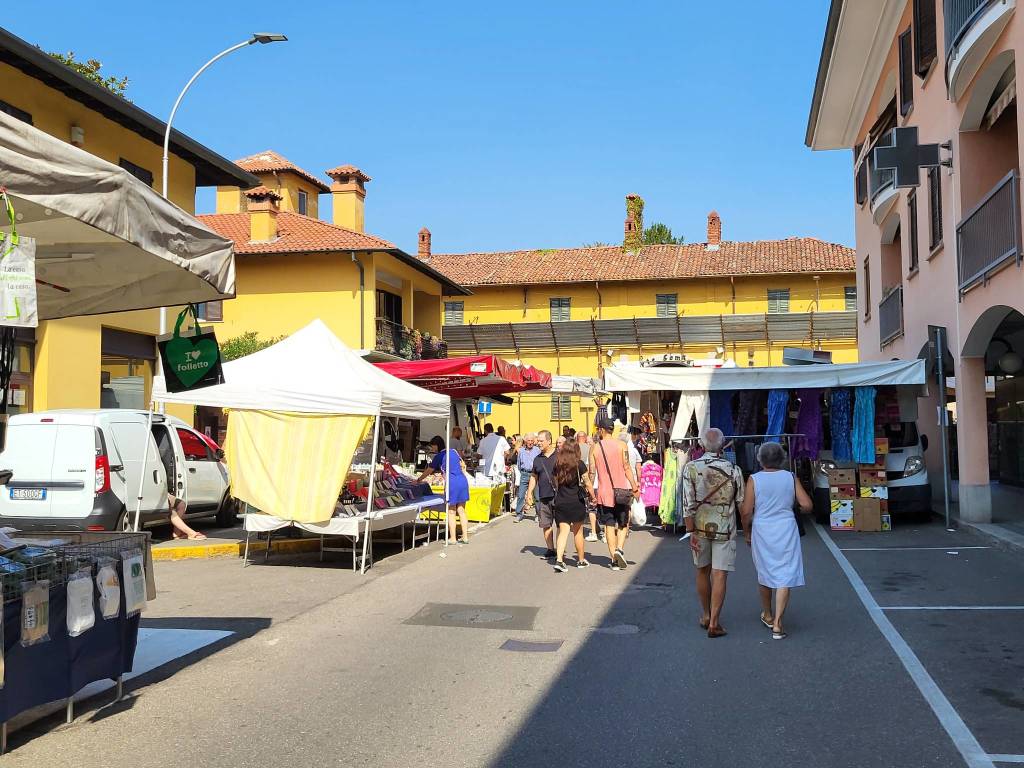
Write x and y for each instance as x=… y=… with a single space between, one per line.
x=667 y=304
x=453 y=312
x=559 y=309
x=561 y=407
x=850 y=298
x=778 y=300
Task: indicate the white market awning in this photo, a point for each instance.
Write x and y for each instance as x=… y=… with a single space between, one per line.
x=105 y=241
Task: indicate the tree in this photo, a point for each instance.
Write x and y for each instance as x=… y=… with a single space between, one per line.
x=595 y=244
x=91 y=69
x=246 y=344
x=661 y=234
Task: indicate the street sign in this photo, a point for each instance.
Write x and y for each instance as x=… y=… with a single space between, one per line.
x=906 y=156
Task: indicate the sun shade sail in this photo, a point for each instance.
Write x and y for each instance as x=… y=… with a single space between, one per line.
x=468 y=377
x=105 y=241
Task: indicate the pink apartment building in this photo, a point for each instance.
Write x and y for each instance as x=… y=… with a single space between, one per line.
x=947 y=252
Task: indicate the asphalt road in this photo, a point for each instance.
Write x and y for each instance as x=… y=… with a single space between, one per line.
x=331 y=668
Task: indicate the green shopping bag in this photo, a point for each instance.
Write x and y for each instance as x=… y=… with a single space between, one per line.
x=190 y=360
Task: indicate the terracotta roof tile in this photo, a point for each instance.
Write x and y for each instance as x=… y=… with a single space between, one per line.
x=652 y=262
x=262 y=191
x=268 y=160
x=295 y=234
x=347 y=170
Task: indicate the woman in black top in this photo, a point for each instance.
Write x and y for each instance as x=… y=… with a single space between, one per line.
x=572 y=487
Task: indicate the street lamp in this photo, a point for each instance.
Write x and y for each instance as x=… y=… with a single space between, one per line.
x=260 y=37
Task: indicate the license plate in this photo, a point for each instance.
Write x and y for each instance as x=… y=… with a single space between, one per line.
x=28 y=494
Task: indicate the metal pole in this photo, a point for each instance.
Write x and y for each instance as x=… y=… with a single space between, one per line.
x=373 y=485
x=142 y=469
x=447 y=481
x=940 y=351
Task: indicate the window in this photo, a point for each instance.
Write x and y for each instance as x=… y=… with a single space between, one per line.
x=867 y=287
x=211 y=311
x=778 y=300
x=906 y=74
x=912 y=225
x=194 y=447
x=13 y=111
x=303 y=202
x=860 y=175
x=389 y=306
x=667 y=304
x=453 y=312
x=850 y=298
x=561 y=407
x=140 y=173
x=934 y=209
x=559 y=310
x=925 y=36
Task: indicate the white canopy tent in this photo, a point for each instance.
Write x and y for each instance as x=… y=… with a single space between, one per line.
x=314 y=372
x=105 y=241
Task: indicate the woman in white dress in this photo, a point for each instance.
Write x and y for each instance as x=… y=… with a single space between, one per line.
x=770 y=527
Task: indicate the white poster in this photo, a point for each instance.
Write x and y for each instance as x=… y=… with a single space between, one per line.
x=18 y=281
x=134 y=572
x=81 y=616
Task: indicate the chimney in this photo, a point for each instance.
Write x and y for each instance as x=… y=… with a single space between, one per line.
x=424 y=247
x=263 y=206
x=714 y=231
x=348 y=192
x=634 y=230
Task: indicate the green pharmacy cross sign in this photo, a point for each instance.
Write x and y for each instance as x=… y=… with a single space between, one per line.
x=190 y=361
x=906 y=156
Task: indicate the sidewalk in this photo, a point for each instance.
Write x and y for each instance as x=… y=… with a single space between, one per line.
x=1007 y=526
x=228 y=542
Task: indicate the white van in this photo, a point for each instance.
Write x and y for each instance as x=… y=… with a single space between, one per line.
x=80 y=470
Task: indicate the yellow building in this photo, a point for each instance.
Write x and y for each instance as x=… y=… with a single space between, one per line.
x=291 y=267
x=571 y=311
x=105 y=360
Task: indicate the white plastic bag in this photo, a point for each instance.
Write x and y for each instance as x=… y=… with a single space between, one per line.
x=81 y=614
x=134 y=571
x=638 y=513
x=35 y=612
x=109 y=586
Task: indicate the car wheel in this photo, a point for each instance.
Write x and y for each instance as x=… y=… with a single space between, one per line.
x=123 y=524
x=227 y=513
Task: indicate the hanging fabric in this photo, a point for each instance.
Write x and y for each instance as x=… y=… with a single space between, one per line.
x=691 y=403
x=839 y=419
x=747 y=411
x=864 y=425
x=778 y=402
x=721 y=411
x=651 y=478
x=667 y=503
x=808 y=424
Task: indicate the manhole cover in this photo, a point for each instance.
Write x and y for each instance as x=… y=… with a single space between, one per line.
x=531 y=646
x=618 y=629
x=476 y=616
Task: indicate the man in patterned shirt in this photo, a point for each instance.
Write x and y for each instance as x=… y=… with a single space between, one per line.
x=713 y=490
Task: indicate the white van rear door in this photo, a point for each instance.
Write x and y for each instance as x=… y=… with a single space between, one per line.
x=74 y=471
x=29 y=453
x=131 y=438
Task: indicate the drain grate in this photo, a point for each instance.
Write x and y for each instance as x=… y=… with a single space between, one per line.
x=532 y=646
x=618 y=629
x=475 y=616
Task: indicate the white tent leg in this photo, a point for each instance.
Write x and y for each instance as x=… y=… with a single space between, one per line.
x=373 y=485
x=142 y=469
x=447 y=481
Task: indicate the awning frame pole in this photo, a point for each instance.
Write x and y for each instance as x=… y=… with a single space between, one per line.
x=373 y=485
x=142 y=469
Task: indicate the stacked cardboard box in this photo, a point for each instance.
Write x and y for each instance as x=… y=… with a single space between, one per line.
x=842 y=492
x=859 y=498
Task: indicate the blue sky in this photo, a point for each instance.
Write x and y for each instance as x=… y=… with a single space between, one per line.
x=498 y=125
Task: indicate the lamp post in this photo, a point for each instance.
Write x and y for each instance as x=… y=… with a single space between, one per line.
x=260 y=37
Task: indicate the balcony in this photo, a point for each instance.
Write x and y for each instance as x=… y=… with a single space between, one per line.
x=988 y=237
x=890 y=316
x=881 y=183
x=972 y=28
x=407 y=343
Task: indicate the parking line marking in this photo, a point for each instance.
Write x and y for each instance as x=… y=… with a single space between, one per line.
x=1007 y=758
x=904 y=549
x=952 y=607
x=948 y=717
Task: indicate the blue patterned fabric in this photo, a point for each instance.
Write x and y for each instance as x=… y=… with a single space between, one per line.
x=721 y=410
x=864 y=425
x=808 y=424
x=842 y=448
x=778 y=402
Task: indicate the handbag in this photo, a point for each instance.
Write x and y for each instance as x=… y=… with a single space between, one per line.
x=623 y=496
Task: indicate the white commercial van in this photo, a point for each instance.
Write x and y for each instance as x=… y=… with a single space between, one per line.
x=80 y=470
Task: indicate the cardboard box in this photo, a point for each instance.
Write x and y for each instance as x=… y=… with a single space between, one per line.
x=878 y=465
x=870 y=477
x=882 y=445
x=886 y=522
x=867 y=515
x=842 y=477
x=874 y=492
x=841 y=517
x=842 y=492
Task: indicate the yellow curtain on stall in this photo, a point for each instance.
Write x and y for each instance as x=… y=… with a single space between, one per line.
x=291 y=465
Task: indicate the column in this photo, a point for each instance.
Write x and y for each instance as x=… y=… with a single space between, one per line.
x=972 y=441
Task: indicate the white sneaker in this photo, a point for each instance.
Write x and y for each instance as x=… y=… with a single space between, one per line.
x=591 y=537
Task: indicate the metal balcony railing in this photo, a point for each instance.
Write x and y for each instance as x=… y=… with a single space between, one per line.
x=890 y=316
x=960 y=16
x=396 y=339
x=879 y=180
x=988 y=236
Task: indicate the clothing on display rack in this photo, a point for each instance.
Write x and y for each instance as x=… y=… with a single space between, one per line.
x=721 y=411
x=651 y=476
x=808 y=424
x=691 y=403
x=778 y=402
x=841 y=424
x=864 y=425
x=668 y=504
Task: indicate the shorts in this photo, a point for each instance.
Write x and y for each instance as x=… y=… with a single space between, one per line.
x=719 y=554
x=545 y=513
x=613 y=517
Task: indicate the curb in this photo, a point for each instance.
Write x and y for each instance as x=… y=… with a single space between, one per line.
x=233 y=549
x=998 y=535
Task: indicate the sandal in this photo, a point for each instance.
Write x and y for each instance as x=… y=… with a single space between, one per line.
x=778 y=634
x=716 y=632
x=704 y=623
x=767 y=622
x=197 y=536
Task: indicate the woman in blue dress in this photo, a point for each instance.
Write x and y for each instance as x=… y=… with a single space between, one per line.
x=458 y=485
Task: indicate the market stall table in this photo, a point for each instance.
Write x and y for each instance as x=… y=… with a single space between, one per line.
x=484 y=502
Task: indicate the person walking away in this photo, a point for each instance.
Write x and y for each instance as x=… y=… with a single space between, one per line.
x=609 y=462
x=524 y=463
x=583 y=443
x=770 y=527
x=713 y=489
x=493 y=449
x=459 y=443
x=458 y=485
x=572 y=488
x=542 y=487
